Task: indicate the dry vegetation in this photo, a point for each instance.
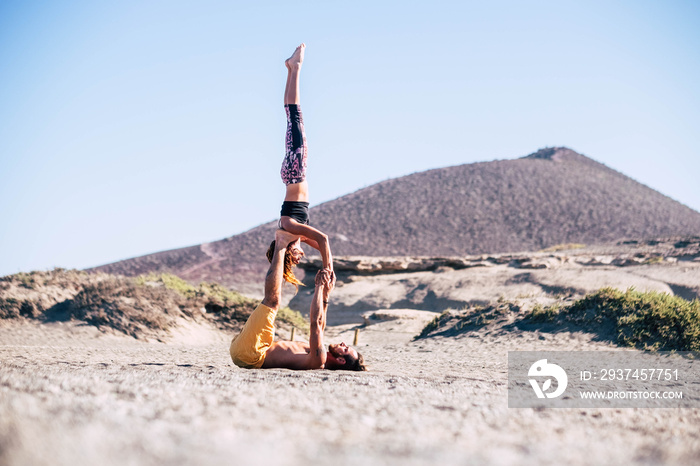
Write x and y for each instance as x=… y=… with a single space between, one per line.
x=644 y=320
x=453 y=323
x=142 y=306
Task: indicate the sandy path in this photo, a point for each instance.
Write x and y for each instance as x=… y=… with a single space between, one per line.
x=214 y=257
x=70 y=395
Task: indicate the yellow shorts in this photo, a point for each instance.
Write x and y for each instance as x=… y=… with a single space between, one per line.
x=248 y=348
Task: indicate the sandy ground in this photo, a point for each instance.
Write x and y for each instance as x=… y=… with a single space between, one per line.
x=70 y=394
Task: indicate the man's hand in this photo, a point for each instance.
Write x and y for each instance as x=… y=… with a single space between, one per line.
x=330 y=283
x=326 y=279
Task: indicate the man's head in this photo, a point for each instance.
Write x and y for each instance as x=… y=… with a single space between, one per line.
x=341 y=357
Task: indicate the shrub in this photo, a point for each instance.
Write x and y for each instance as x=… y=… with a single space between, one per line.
x=10 y=308
x=646 y=320
x=124 y=305
x=434 y=324
x=541 y=314
x=470 y=318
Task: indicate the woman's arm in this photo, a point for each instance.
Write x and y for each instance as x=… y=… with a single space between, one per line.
x=311 y=243
x=313 y=236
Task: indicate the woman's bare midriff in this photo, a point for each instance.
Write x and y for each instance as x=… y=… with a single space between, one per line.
x=297 y=192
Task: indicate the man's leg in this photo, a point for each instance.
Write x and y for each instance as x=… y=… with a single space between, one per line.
x=248 y=348
x=275 y=274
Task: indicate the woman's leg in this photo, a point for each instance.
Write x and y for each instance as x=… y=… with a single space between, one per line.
x=293 y=63
x=294 y=164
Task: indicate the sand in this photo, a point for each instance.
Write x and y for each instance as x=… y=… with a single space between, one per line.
x=70 y=394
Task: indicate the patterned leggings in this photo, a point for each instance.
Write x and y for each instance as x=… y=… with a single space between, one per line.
x=294 y=164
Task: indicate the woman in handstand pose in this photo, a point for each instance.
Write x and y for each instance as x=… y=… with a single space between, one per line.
x=294 y=216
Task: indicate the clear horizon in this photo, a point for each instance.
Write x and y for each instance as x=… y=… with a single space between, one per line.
x=135 y=128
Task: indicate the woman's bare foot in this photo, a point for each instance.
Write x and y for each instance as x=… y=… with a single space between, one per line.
x=297 y=58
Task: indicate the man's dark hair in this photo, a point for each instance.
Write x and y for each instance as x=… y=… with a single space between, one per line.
x=352 y=364
x=358 y=364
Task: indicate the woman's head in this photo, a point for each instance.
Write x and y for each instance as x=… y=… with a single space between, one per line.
x=294 y=249
x=292 y=255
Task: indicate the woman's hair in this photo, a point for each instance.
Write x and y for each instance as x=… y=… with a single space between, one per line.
x=288 y=274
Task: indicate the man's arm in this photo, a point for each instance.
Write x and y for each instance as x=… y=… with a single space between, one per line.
x=317 y=353
x=325 y=282
x=329 y=284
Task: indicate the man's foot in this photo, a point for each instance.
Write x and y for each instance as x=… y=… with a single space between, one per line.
x=295 y=61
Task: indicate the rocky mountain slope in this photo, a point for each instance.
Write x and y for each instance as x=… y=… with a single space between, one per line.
x=550 y=197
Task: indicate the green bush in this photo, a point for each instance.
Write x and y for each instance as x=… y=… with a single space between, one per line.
x=169 y=281
x=646 y=320
x=542 y=314
x=649 y=320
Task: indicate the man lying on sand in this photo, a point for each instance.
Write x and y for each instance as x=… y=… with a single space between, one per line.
x=254 y=346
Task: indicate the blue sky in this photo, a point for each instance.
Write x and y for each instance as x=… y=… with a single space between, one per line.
x=133 y=127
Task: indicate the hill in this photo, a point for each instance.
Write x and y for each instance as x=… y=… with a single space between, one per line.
x=144 y=307
x=550 y=197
